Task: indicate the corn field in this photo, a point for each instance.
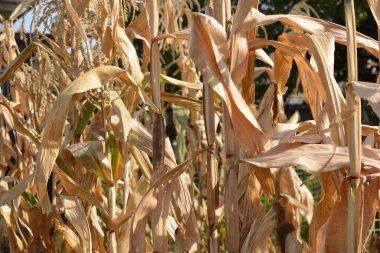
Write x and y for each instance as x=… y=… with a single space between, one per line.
x=88 y=104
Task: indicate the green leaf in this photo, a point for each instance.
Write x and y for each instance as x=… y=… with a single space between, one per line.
x=28 y=196
x=85 y=116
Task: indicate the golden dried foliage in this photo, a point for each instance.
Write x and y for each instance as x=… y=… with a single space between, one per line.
x=87 y=103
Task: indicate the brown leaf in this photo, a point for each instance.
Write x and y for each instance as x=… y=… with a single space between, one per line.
x=231 y=210
x=370 y=92
x=336 y=241
x=374 y=5
x=21 y=8
x=15 y=191
x=208 y=49
x=316 y=158
x=149 y=201
x=260 y=231
x=306 y=24
x=52 y=134
x=75 y=213
x=322 y=212
x=78 y=26
x=311 y=81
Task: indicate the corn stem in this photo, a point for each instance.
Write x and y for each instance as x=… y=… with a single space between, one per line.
x=354 y=135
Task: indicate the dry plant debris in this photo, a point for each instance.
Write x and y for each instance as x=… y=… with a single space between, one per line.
x=88 y=101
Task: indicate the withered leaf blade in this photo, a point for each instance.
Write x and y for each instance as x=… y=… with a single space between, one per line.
x=370 y=92
x=149 y=201
x=52 y=134
x=21 y=8
x=231 y=210
x=374 y=5
x=316 y=158
x=15 y=191
x=306 y=24
x=208 y=50
x=76 y=215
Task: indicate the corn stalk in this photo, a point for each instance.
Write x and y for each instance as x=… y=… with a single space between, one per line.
x=212 y=168
x=212 y=165
x=354 y=136
x=158 y=224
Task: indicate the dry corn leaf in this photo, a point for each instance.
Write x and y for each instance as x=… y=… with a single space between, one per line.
x=16 y=63
x=97 y=234
x=238 y=59
x=231 y=210
x=78 y=26
x=260 y=231
x=15 y=191
x=130 y=80
x=139 y=28
x=21 y=8
x=371 y=203
x=142 y=160
x=108 y=42
x=58 y=50
x=208 y=51
x=282 y=66
x=75 y=213
x=54 y=55
x=306 y=24
x=243 y=8
x=265 y=112
x=370 y=92
x=74 y=188
x=335 y=139
x=264 y=57
x=322 y=47
x=306 y=210
x=24 y=55
x=128 y=54
x=15 y=243
x=53 y=131
x=311 y=81
x=123 y=233
x=316 y=158
x=124 y=129
x=36 y=221
x=193 y=240
x=185 y=202
x=186 y=102
x=174 y=81
x=116 y=15
x=19 y=126
x=90 y=154
x=374 y=5
x=317 y=229
x=65 y=240
x=149 y=201
x=140 y=138
x=335 y=239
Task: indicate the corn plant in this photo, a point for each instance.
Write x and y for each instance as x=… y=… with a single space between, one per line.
x=87 y=105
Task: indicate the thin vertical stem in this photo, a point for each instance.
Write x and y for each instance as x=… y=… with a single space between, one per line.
x=111 y=242
x=212 y=164
x=212 y=168
x=158 y=223
x=126 y=180
x=112 y=215
x=354 y=135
